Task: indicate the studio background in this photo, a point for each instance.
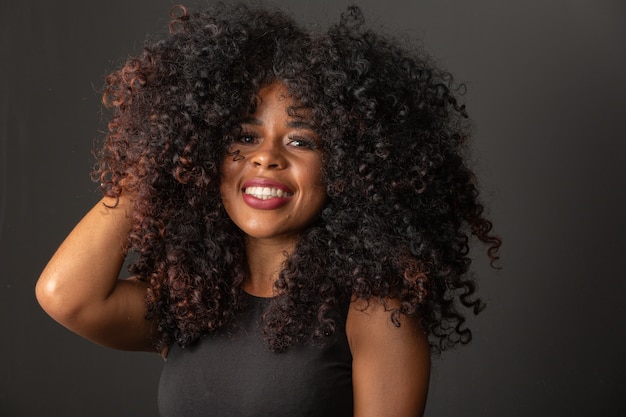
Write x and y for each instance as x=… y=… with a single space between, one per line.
x=547 y=92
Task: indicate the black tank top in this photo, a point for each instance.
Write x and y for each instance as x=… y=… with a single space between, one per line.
x=234 y=374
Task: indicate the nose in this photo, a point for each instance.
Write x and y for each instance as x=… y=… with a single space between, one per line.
x=269 y=154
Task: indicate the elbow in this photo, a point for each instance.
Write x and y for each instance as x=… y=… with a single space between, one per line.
x=45 y=292
x=53 y=299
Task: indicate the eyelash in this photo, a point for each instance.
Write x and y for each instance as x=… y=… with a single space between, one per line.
x=244 y=135
x=307 y=143
x=293 y=139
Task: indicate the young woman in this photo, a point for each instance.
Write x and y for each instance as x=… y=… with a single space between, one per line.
x=298 y=211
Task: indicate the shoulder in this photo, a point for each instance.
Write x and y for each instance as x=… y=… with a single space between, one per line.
x=373 y=318
x=391 y=360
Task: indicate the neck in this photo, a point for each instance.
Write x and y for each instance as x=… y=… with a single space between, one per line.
x=265 y=261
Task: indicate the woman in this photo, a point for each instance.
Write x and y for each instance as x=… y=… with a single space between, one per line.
x=299 y=212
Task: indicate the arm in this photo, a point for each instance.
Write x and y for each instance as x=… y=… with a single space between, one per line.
x=391 y=365
x=80 y=288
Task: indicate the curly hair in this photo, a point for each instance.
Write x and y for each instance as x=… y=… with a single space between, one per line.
x=402 y=204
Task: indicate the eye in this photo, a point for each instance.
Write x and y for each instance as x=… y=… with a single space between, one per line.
x=303 y=142
x=247 y=138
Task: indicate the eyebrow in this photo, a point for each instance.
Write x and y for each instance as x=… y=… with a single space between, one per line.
x=299 y=124
x=295 y=124
x=250 y=121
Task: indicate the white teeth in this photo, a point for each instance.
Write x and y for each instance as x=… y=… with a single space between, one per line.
x=265 y=193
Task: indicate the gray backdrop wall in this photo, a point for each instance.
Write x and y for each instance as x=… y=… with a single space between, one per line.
x=547 y=91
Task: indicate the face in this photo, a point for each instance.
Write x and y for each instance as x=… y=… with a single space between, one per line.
x=271 y=178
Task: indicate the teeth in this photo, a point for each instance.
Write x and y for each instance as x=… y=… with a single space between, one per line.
x=265 y=193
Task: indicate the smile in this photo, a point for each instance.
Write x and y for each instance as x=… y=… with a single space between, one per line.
x=265 y=193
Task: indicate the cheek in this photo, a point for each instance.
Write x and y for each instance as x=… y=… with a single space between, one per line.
x=228 y=170
x=316 y=183
x=234 y=154
x=227 y=179
x=227 y=196
x=317 y=169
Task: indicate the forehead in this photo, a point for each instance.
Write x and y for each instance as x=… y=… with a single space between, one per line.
x=276 y=98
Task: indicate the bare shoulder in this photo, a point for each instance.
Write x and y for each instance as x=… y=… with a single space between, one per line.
x=391 y=362
x=372 y=319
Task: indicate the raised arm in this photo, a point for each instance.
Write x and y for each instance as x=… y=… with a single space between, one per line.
x=80 y=288
x=391 y=365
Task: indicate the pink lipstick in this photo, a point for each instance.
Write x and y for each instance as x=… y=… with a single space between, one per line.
x=265 y=194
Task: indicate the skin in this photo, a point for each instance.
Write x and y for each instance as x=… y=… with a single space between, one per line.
x=80 y=288
x=275 y=150
x=390 y=365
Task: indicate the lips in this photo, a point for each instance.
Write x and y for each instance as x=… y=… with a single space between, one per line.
x=265 y=194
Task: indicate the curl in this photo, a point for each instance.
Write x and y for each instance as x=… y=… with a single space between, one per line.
x=403 y=206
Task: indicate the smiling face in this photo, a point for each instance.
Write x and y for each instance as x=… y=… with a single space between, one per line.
x=271 y=178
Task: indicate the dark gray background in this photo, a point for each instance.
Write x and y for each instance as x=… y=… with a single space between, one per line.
x=547 y=91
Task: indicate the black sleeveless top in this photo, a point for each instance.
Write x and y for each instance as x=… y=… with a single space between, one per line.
x=234 y=374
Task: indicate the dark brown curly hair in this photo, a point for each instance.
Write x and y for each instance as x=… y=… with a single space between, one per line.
x=402 y=204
